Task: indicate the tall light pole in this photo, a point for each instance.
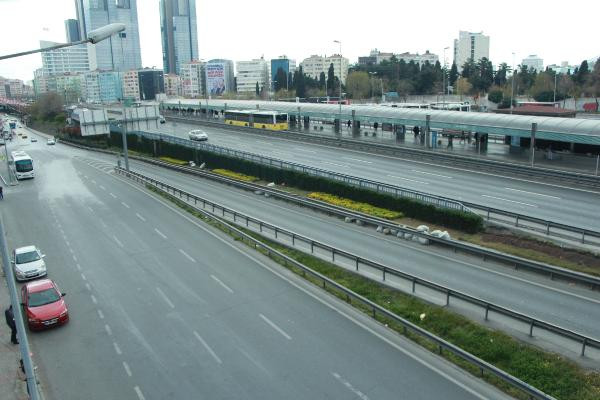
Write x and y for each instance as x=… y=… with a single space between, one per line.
x=94 y=37
x=340 y=99
x=555 y=76
x=444 y=77
x=371 y=82
x=512 y=86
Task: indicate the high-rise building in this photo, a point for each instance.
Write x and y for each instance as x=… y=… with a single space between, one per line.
x=179 y=33
x=193 y=81
x=72 y=30
x=119 y=52
x=314 y=65
x=103 y=86
x=151 y=83
x=288 y=66
x=219 y=77
x=67 y=59
x=533 y=62
x=131 y=85
x=470 y=45
x=249 y=73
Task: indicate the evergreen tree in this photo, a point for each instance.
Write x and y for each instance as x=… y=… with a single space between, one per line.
x=322 y=80
x=330 y=80
x=453 y=76
x=300 y=84
x=257 y=89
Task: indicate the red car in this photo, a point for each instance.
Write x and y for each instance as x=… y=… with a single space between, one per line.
x=43 y=302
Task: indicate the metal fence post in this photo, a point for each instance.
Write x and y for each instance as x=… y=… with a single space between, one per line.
x=532 y=143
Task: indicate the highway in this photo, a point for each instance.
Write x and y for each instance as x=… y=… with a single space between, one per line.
x=554 y=302
x=163 y=307
x=558 y=203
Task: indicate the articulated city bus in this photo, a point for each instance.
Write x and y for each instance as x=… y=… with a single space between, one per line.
x=23 y=164
x=271 y=120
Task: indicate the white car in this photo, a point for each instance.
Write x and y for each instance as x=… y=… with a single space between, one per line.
x=198 y=134
x=33 y=140
x=28 y=263
x=161 y=119
x=51 y=141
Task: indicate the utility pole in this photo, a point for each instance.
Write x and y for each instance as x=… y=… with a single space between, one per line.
x=124 y=136
x=512 y=86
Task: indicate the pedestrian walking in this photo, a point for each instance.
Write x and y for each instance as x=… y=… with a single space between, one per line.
x=10 y=321
x=1 y=193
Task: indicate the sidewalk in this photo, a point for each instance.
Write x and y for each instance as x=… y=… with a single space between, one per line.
x=11 y=386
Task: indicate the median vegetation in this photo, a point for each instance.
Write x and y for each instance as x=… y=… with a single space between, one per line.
x=356 y=206
x=546 y=371
x=235 y=175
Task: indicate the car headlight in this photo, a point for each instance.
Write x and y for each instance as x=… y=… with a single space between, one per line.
x=20 y=274
x=34 y=320
x=62 y=314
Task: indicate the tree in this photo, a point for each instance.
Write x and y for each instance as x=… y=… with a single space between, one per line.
x=47 y=107
x=358 y=85
x=500 y=75
x=496 y=95
x=257 y=90
x=330 y=80
x=463 y=86
x=468 y=69
x=453 y=75
x=543 y=87
x=582 y=73
x=404 y=88
x=322 y=80
x=280 y=79
x=300 y=84
x=593 y=84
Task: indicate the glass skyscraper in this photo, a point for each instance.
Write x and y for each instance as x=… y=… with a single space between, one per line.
x=179 y=34
x=120 y=52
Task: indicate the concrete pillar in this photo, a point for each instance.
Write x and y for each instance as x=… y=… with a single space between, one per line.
x=292 y=121
x=532 y=143
x=306 y=122
x=426 y=137
x=356 y=127
x=400 y=132
x=337 y=125
x=572 y=147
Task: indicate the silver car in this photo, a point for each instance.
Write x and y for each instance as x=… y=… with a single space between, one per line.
x=28 y=263
x=198 y=134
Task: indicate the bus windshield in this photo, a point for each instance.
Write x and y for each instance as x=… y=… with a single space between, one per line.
x=24 y=165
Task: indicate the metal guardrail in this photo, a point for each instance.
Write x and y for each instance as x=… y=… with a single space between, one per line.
x=357 y=261
x=487 y=254
x=350 y=296
x=547 y=227
x=507 y=259
x=410 y=152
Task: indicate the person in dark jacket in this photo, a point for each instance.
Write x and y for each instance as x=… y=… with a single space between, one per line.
x=10 y=321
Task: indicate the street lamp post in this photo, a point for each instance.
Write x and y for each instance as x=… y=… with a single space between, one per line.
x=340 y=99
x=94 y=37
x=444 y=77
x=512 y=86
x=555 y=76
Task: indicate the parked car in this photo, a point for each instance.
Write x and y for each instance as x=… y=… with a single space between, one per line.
x=198 y=134
x=161 y=119
x=33 y=140
x=51 y=142
x=28 y=263
x=43 y=304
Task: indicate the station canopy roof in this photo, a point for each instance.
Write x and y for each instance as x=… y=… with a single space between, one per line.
x=576 y=130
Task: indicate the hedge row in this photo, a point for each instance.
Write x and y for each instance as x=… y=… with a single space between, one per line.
x=464 y=221
x=364 y=208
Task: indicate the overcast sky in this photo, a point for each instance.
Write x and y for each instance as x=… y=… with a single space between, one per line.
x=241 y=30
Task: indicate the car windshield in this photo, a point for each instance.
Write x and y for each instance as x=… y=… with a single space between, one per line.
x=47 y=296
x=27 y=257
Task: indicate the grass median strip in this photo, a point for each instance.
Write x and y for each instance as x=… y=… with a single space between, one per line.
x=235 y=175
x=547 y=371
x=364 y=208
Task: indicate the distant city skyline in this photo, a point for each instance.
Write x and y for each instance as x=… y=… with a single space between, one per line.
x=268 y=31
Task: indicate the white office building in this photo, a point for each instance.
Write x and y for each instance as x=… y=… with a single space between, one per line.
x=470 y=45
x=193 y=79
x=417 y=58
x=68 y=59
x=249 y=73
x=131 y=85
x=314 y=65
x=533 y=62
x=173 y=85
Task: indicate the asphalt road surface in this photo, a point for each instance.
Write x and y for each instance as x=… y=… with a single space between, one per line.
x=162 y=307
x=558 y=203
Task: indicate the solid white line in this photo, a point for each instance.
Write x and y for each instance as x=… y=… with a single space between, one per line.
x=535 y=194
x=83 y=277
x=100 y=314
x=127 y=369
x=117 y=348
x=187 y=255
x=139 y=393
x=304 y=150
x=165 y=298
x=160 y=233
x=344 y=382
x=94 y=299
x=125 y=205
x=140 y=217
x=337 y=165
x=358 y=160
x=430 y=173
x=118 y=241
x=113 y=196
x=410 y=180
x=88 y=286
x=222 y=284
x=102 y=187
x=207 y=347
x=510 y=201
x=278 y=329
x=108 y=330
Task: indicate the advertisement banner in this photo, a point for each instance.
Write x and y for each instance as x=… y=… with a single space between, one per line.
x=215 y=78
